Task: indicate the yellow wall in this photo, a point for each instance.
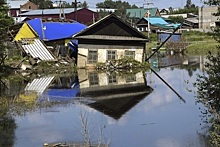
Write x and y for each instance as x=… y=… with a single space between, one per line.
x=25 y=32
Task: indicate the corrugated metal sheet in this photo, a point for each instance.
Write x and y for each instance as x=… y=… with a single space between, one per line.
x=47 y=11
x=37 y=49
x=39 y=85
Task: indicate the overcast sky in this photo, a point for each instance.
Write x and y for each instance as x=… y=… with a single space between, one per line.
x=156 y=3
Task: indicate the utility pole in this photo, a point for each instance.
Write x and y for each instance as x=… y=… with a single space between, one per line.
x=148 y=16
x=60 y=4
x=75 y=8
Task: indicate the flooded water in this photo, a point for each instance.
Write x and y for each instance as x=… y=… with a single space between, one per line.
x=118 y=110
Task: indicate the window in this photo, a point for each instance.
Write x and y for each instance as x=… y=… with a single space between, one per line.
x=111 y=55
x=93 y=79
x=112 y=79
x=92 y=56
x=130 y=54
x=29 y=7
x=131 y=78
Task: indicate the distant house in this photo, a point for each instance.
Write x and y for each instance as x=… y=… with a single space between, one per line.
x=17 y=7
x=156 y=23
x=83 y=15
x=109 y=39
x=136 y=14
x=190 y=23
x=164 y=11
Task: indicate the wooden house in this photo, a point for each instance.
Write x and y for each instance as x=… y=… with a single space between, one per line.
x=19 y=6
x=156 y=23
x=109 y=39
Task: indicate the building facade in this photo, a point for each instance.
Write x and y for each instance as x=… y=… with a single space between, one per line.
x=109 y=39
x=206 y=18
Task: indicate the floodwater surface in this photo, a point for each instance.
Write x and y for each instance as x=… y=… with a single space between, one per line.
x=133 y=110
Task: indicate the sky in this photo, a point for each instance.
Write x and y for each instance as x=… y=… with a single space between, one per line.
x=156 y=3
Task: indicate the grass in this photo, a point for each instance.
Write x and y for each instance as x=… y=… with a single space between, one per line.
x=200 y=43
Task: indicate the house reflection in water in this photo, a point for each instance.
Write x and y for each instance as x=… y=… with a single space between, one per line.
x=113 y=95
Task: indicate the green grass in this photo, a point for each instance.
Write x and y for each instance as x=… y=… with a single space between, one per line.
x=201 y=48
x=200 y=43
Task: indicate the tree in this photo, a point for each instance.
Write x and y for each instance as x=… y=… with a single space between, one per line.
x=119 y=6
x=188 y=4
x=176 y=19
x=83 y=5
x=5 y=22
x=209 y=85
x=43 y=4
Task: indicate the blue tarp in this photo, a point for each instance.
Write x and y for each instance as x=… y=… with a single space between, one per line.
x=62 y=94
x=160 y=22
x=55 y=30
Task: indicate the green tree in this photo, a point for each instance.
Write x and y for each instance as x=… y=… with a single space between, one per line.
x=43 y=4
x=188 y=4
x=176 y=19
x=209 y=85
x=188 y=8
x=119 y=6
x=5 y=22
x=83 y=5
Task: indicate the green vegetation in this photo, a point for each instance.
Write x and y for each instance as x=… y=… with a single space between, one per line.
x=43 y=4
x=5 y=22
x=200 y=43
x=176 y=19
x=208 y=84
x=188 y=8
x=118 y=5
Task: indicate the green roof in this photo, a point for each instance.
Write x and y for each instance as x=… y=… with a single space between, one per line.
x=139 y=13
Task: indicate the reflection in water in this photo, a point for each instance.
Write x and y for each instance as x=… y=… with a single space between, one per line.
x=131 y=110
x=114 y=95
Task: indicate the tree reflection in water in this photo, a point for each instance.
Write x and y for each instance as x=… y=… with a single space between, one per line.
x=208 y=94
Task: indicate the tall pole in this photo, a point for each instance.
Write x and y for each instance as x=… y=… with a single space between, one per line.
x=60 y=4
x=75 y=8
x=148 y=16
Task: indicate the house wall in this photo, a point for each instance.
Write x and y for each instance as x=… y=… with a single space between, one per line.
x=83 y=76
x=25 y=32
x=206 y=19
x=102 y=53
x=29 y=6
x=84 y=16
x=14 y=12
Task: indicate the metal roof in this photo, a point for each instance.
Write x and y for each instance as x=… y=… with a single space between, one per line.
x=47 y=11
x=16 y=3
x=160 y=22
x=55 y=30
x=110 y=28
x=39 y=85
x=37 y=49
